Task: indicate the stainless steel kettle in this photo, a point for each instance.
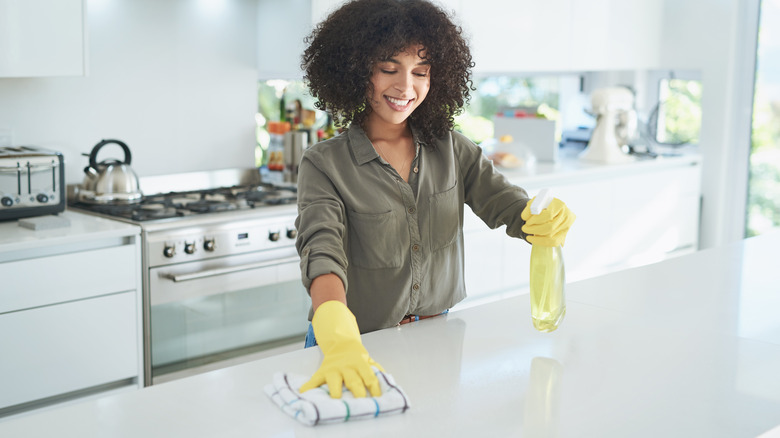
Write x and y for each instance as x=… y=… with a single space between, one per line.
x=110 y=181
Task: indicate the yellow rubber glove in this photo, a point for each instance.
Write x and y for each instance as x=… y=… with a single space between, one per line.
x=345 y=359
x=549 y=227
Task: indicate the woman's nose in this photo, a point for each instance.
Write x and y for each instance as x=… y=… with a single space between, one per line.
x=404 y=82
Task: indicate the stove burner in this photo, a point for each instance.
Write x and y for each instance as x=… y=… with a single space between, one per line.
x=177 y=204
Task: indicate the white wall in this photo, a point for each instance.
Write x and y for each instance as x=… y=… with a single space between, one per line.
x=175 y=79
x=717 y=37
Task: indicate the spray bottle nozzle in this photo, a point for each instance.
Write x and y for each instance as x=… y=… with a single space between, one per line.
x=541 y=201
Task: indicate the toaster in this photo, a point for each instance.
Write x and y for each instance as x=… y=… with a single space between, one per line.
x=32 y=182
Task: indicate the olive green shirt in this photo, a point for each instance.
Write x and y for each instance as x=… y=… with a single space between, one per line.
x=397 y=246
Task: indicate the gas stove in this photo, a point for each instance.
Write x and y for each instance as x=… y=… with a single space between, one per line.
x=221 y=276
x=192 y=195
x=174 y=205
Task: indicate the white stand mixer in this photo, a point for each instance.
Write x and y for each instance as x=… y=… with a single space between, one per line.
x=614 y=107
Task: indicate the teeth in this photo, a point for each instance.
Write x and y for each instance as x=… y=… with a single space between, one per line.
x=398 y=102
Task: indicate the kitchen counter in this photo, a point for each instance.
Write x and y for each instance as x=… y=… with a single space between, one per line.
x=685 y=347
x=14 y=237
x=570 y=169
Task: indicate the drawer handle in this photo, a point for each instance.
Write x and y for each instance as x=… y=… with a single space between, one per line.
x=177 y=278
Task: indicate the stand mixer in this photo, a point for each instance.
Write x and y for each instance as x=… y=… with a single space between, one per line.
x=616 y=126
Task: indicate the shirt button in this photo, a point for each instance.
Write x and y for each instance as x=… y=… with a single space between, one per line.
x=416 y=287
x=411 y=210
x=415 y=247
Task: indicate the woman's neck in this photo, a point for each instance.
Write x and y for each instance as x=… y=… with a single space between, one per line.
x=388 y=133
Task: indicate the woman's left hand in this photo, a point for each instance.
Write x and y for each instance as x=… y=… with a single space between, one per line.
x=549 y=227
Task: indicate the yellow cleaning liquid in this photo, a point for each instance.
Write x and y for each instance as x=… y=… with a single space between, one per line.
x=548 y=303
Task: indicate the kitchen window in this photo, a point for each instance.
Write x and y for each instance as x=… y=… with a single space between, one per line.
x=497 y=94
x=676 y=119
x=763 y=204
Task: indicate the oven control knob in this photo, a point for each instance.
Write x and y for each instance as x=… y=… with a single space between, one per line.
x=273 y=236
x=42 y=198
x=292 y=233
x=7 y=201
x=169 y=251
x=189 y=248
x=208 y=245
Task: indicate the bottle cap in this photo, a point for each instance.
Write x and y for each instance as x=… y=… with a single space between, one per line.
x=542 y=201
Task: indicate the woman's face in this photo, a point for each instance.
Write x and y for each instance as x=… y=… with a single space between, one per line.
x=400 y=84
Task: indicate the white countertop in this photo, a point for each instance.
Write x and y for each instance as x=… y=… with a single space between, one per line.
x=570 y=169
x=14 y=237
x=689 y=347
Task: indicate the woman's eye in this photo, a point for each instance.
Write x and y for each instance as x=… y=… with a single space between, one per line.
x=389 y=72
x=422 y=75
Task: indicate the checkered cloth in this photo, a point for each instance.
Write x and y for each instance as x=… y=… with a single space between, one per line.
x=317 y=407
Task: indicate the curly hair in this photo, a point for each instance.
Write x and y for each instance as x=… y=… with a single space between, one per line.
x=343 y=49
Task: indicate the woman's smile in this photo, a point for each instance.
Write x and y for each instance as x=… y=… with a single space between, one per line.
x=398 y=104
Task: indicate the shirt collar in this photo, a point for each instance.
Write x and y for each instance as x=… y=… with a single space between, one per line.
x=362 y=148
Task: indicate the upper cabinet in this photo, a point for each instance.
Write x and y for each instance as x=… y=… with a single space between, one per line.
x=42 y=38
x=506 y=36
x=562 y=35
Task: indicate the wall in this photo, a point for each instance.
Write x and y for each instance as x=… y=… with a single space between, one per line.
x=717 y=37
x=175 y=79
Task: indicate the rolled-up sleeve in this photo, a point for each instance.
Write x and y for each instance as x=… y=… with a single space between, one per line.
x=489 y=194
x=321 y=223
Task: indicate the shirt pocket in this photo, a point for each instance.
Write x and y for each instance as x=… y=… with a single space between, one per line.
x=443 y=224
x=374 y=241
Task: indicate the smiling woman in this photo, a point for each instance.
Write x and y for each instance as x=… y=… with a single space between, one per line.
x=380 y=207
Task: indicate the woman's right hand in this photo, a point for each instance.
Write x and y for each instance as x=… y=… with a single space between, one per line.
x=345 y=359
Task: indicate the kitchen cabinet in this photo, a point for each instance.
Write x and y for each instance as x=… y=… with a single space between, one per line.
x=505 y=37
x=42 y=38
x=562 y=35
x=627 y=215
x=70 y=311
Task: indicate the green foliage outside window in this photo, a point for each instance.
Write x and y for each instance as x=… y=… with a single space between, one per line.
x=679 y=114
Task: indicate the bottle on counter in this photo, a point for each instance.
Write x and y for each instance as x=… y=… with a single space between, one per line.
x=276 y=165
x=548 y=303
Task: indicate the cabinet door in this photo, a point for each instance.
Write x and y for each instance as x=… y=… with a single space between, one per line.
x=54 y=350
x=41 y=38
x=68 y=277
x=616 y=34
x=520 y=35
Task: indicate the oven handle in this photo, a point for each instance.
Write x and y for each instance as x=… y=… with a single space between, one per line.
x=229 y=270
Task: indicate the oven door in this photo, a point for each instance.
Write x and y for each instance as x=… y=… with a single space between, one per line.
x=224 y=309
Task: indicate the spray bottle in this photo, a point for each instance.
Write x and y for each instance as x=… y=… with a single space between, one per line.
x=548 y=303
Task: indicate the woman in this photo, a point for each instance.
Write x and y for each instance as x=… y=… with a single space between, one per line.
x=380 y=207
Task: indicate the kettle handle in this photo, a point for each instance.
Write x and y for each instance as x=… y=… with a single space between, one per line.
x=93 y=155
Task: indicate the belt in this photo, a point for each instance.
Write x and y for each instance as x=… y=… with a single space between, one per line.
x=412 y=318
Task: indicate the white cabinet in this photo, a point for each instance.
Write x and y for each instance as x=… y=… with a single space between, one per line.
x=616 y=34
x=628 y=215
x=521 y=35
x=41 y=38
x=562 y=35
x=70 y=311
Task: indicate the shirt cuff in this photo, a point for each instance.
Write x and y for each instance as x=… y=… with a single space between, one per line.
x=313 y=267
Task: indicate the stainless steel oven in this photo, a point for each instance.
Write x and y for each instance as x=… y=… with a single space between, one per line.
x=221 y=276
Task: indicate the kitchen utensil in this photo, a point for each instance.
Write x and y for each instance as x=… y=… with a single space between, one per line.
x=615 y=125
x=110 y=181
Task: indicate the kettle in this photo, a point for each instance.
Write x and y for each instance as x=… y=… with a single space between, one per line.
x=110 y=181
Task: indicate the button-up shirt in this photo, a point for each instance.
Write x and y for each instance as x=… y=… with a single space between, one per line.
x=396 y=245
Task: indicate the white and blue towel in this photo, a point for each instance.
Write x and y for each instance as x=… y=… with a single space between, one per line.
x=317 y=407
